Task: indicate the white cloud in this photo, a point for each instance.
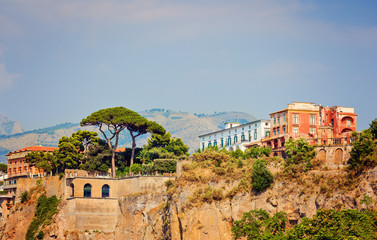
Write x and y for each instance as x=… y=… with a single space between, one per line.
x=6 y=78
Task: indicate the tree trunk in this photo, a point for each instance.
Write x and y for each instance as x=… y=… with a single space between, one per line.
x=133 y=150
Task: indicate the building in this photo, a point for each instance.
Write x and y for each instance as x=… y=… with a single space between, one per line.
x=18 y=168
x=315 y=123
x=236 y=136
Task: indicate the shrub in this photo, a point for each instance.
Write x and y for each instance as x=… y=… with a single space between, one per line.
x=299 y=153
x=362 y=153
x=257 y=224
x=61 y=175
x=46 y=208
x=25 y=196
x=40 y=235
x=165 y=165
x=135 y=168
x=5 y=192
x=147 y=168
x=261 y=177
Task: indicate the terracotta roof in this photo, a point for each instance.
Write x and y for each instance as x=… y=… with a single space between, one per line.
x=120 y=150
x=34 y=149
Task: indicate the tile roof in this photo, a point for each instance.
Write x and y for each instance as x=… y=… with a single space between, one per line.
x=34 y=149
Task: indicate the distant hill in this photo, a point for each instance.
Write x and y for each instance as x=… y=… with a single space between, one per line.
x=187 y=126
x=8 y=126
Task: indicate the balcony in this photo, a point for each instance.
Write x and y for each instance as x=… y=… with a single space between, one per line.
x=9 y=186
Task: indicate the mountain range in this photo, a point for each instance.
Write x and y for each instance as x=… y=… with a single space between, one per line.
x=187 y=126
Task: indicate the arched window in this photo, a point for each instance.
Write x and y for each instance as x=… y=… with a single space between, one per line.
x=72 y=189
x=105 y=191
x=87 y=190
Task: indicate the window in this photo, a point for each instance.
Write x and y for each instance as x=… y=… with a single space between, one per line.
x=255 y=134
x=222 y=142
x=295 y=130
x=215 y=143
x=274 y=120
x=295 y=118
x=284 y=119
x=312 y=130
x=278 y=120
x=209 y=144
x=242 y=137
x=243 y=129
x=72 y=190
x=278 y=131
x=274 y=132
x=348 y=122
x=235 y=139
x=229 y=141
x=249 y=136
x=105 y=191
x=267 y=133
x=312 y=119
x=88 y=190
x=202 y=146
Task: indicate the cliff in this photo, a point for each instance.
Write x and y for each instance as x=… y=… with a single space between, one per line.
x=206 y=199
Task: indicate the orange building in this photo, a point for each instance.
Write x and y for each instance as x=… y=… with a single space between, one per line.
x=315 y=123
x=18 y=168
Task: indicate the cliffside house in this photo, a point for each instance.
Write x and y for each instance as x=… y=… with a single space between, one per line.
x=236 y=136
x=317 y=124
x=18 y=168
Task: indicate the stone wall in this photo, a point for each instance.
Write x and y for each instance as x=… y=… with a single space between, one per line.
x=92 y=214
x=333 y=156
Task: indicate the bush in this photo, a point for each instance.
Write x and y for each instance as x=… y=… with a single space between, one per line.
x=362 y=153
x=5 y=192
x=135 y=168
x=257 y=224
x=46 y=208
x=299 y=153
x=165 y=165
x=147 y=168
x=61 y=175
x=40 y=235
x=25 y=196
x=261 y=177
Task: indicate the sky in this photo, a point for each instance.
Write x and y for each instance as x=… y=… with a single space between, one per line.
x=62 y=60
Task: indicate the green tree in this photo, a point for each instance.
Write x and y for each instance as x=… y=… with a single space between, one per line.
x=111 y=122
x=68 y=155
x=337 y=225
x=299 y=153
x=139 y=125
x=261 y=177
x=177 y=146
x=362 y=152
x=86 y=138
x=149 y=155
x=97 y=157
x=257 y=152
x=257 y=224
x=42 y=160
x=3 y=168
x=373 y=128
x=158 y=140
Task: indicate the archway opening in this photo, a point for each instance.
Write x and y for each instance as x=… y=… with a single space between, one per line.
x=88 y=190
x=105 y=191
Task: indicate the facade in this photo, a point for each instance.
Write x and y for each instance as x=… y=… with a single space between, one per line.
x=236 y=136
x=315 y=123
x=18 y=168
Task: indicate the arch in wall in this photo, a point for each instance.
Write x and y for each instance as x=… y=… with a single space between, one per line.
x=338 y=158
x=87 y=190
x=346 y=130
x=105 y=191
x=72 y=189
x=321 y=156
x=231 y=149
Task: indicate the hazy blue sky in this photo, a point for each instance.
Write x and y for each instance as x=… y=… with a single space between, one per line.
x=62 y=60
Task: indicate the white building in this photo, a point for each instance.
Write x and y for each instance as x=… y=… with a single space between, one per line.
x=236 y=135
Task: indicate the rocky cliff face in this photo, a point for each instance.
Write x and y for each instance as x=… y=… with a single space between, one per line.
x=187 y=211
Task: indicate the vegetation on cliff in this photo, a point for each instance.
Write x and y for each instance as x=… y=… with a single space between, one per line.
x=46 y=208
x=326 y=224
